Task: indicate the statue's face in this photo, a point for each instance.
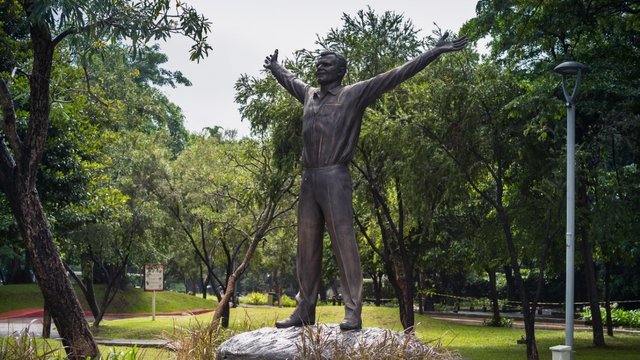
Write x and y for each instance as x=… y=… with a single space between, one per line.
x=327 y=70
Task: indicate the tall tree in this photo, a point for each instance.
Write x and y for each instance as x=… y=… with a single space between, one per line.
x=49 y=24
x=530 y=38
x=470 y=114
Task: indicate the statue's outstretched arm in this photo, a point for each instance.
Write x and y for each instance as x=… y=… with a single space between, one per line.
x=288 y=80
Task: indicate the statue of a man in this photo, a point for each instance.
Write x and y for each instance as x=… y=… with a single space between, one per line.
x=330 y=128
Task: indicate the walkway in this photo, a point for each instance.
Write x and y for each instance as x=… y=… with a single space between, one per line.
x=31 y=319
x=543 y=322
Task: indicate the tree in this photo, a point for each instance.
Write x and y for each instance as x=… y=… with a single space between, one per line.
x=278 y=254
x=86 y=25
x=474 y=117
x=224 y=198
x=530 y=38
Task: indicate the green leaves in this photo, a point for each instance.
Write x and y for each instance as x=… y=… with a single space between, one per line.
x=90 y=23
x=373 y=43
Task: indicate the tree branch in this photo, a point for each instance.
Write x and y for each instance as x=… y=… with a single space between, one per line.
x=363 y=231
x=86 y=76
x=110 y=21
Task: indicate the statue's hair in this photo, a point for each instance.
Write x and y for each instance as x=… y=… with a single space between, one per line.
x=342 y=61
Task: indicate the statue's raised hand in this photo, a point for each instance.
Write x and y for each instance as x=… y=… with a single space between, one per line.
x=271 y=59
x=448 y=46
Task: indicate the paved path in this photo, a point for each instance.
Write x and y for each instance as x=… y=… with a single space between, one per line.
x=31 y=320
x=542 y=322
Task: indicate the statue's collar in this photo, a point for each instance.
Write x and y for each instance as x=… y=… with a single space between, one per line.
x=333 y=91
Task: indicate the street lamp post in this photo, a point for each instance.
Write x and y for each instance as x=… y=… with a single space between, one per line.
x=570 y=68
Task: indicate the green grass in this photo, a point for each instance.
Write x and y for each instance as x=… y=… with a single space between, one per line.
x=16 y=297
x=472 y=342
x=52 y=349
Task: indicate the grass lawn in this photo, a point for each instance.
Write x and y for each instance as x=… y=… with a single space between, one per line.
x=473 y=342
x=16 y=297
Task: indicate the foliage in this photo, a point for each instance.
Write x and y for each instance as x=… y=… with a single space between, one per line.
x=319 y=344
x=197 y=340
x=85 y=26
x=528 y=39
x=619 y=317
x=129 y=354
x=23 y=345
x=90 y=23
x=287 y=301
x=255 y=298
x=502 y=322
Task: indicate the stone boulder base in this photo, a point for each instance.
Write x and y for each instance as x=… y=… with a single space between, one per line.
x=286 y=344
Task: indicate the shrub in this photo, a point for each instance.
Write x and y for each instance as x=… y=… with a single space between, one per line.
x=255 y=298
x=619 y=317
x=24 y=346
x=503 y=322
x=196 y=341
x=288 y=302
x=131 y=354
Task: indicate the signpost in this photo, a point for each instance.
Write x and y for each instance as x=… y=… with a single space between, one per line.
x=153 y=281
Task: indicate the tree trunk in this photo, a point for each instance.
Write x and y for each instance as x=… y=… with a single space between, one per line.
x=377 y=288
x=46 y=322
x=607 y=294
x=402 y=286
x=221 y=314
x=202 y=282
x=495 y=306
x=323 y=292
x=528 y=315
x=274 y=275
x=51 y=275
x=281 y=285
x=420 y=293
x=508 y=275
x=409 y=316
x=17 y=275
x=590 y=272
x=90 y=294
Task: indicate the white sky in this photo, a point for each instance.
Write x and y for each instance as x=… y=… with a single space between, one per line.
x=245 y=32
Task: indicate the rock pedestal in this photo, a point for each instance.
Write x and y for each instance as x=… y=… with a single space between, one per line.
x=325 y=339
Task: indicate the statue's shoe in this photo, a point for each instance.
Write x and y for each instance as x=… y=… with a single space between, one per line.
x=293 y=321
x=351 y=324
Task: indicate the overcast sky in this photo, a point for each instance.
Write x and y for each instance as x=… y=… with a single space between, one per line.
x=244 y=32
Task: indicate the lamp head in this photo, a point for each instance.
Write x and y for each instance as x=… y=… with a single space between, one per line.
x=570 y=68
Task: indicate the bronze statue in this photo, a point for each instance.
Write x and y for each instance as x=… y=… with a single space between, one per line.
x=330 y=129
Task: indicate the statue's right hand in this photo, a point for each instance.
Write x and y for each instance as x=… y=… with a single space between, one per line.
x=271 y=59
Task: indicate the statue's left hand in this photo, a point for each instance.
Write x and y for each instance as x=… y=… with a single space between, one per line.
x=447 y=46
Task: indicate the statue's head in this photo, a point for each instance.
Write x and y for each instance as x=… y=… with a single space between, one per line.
x=331 y=67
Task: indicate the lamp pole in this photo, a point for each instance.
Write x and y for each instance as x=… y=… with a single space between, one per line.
x=566 y=69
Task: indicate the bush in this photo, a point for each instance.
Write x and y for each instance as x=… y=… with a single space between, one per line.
x=288 y=302
x=24 y=345
x=131 y=354
x=255 y=298
x=503 y=322
x=619 y=317
x=196 y=341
